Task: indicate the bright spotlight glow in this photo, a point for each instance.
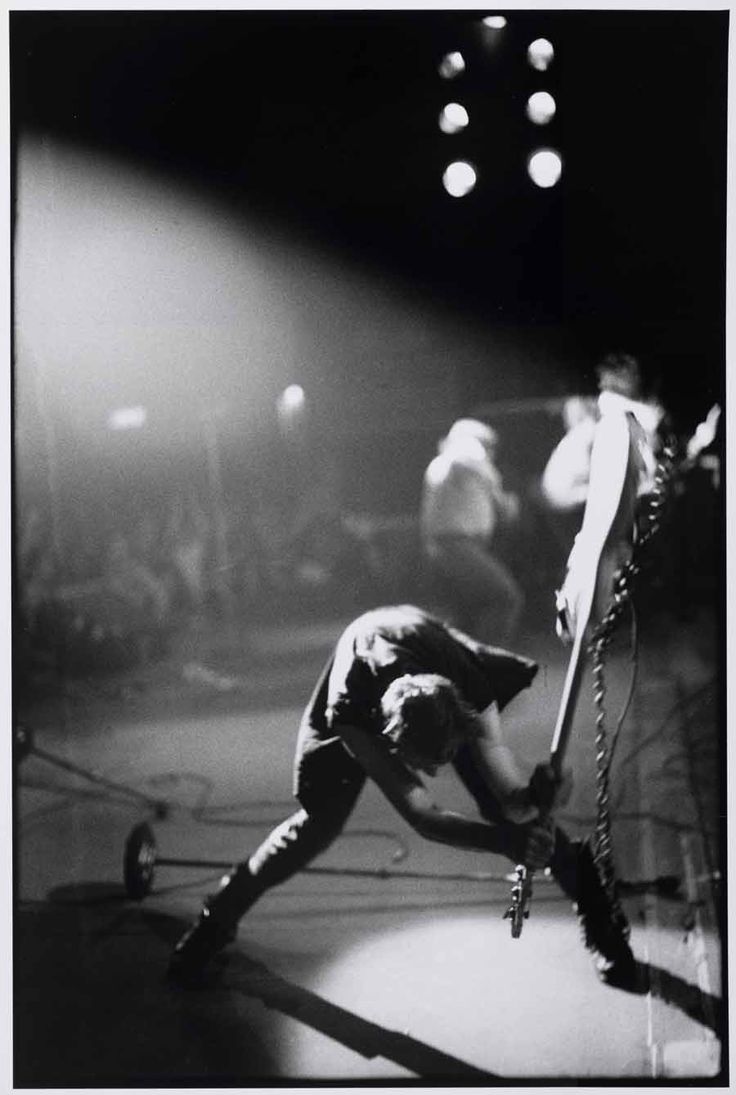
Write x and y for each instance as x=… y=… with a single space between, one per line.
x=451 y=65
x=540 y=54
x=545 y=167
x=540 y=108
x=453 y=118
x=127 y=418
x=459 y=178
x=434 y=949
x=291 y=399
x=495 y=22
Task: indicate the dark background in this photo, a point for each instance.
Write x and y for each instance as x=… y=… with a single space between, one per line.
x=215 y=205
x=327 y=121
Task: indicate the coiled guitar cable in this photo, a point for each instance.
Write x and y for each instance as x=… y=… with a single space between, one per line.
x=623 y=586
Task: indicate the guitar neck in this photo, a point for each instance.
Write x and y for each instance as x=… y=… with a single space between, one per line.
x=570 y=691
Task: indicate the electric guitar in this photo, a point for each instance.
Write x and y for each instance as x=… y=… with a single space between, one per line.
x=603 y=545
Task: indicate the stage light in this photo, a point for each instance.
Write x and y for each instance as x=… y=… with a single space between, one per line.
x=127 y=418
x=291 y=407
x=540 y=54
x=453 y=118
x=495 y=22
x=459 y=178
x=291 y=399
x=451 y=65
x=540 y=108
x=545 y=167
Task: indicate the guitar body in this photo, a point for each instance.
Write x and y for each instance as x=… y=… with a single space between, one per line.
x=603 y=545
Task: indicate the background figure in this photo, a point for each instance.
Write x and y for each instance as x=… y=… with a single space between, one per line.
x=463 y=502
x=565 y=480
x=627 y=430
x=567 y=472
x=563 y=487
x=189 y=534
x=621 y=387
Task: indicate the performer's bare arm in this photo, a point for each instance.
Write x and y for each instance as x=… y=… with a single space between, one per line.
x=408 y=795
x=498 y=766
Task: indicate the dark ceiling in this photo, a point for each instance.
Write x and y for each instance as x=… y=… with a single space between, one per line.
x=329 y=118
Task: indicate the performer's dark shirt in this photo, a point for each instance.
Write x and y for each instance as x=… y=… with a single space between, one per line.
x=387 y=643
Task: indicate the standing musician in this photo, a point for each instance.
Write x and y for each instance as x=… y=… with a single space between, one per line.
x=463 y=504
x=402 y=695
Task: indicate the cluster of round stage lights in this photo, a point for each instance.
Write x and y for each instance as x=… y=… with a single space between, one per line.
x=544 y=165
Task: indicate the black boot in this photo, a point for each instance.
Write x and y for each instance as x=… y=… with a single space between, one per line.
x=603 y=923
x=215 y=927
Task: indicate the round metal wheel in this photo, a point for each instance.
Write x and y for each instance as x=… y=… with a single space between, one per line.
x=139 y=861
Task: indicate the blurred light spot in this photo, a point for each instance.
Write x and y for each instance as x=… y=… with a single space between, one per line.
x=495 y=22
x=127 y=418
x=459 y=178
x=545 y=167
x=540 y=108
x=453 y=118
x=540 y=54
x=451 y=65
x=291 y=399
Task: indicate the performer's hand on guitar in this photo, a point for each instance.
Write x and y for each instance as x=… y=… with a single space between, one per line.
x=531 y=844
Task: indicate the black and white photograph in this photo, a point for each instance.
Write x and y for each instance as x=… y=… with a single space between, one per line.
x=368 y=546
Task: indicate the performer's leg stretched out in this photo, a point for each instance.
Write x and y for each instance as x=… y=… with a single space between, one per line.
x=286 y=850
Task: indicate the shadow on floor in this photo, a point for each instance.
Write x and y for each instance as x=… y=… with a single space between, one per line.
x=91 y=1008
x=89 y=971
x=254 y=979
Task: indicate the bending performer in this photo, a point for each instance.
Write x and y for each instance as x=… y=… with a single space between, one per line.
x=403 y=695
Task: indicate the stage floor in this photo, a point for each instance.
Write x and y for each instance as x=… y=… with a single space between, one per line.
x=358 y=971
